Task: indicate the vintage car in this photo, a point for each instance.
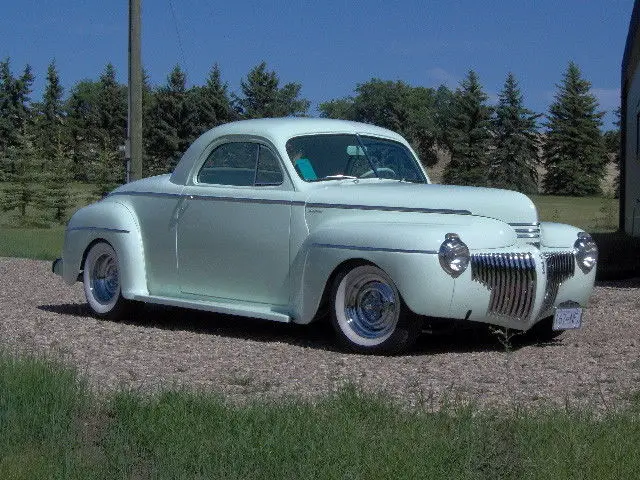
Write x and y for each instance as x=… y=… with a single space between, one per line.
x=292 y=219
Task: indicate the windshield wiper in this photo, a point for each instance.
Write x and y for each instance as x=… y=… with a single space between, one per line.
x=339 y=176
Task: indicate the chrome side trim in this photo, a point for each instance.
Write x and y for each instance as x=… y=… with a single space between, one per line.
x=264 y=201
x=147 y=194
x=373 y=249
x=343 y=206
x=511 y=279
x=389 y=209
x=560 y=267
x=101 y=229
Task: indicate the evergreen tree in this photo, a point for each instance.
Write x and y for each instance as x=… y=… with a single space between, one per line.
x=469 y=135
x=574 y=152
x=211 y=102
x=15 y=107
x=81 y=115
x=15 y=116
x=171 y=130
x=111 y=110
x=51 y=112
x=55 y=192
x=21 y=191
x=514 y=160
x=107 y=172
x=262 y=96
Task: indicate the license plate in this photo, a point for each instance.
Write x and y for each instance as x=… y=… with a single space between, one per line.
x=567 y=318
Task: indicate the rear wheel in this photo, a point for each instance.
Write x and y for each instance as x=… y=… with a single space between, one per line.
x=101 y=278
x=368 y=313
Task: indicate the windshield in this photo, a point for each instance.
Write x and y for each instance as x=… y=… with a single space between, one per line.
x=340 y=156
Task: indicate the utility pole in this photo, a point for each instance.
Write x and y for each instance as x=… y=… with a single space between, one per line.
x=133 y=148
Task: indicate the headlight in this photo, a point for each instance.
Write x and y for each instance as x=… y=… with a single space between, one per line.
x=453 y=255
x=586 y=252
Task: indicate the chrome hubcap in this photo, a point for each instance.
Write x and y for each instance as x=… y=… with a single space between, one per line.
x=104 y=279
x=371 y=307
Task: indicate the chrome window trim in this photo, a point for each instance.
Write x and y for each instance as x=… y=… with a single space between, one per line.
x=373 y=249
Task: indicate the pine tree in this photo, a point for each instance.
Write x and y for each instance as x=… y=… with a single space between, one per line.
x=21 y=192
x=15 y=112
x=514 y=159
x=262 y=96
x=82 y=131
x=211 y=103
x=171 y=130
x=111 y=109
x=54 y=193
x=470 y=135
x=107 y=169
x=574 y=152
x=51 y=113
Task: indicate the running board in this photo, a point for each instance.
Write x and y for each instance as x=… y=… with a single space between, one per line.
x=227 y=307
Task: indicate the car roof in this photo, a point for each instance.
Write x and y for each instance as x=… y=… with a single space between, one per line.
x=288 y=127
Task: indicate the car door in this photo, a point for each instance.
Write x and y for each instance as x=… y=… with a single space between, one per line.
x=233 y=230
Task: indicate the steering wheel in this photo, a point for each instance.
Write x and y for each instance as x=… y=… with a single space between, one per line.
x=382 y=172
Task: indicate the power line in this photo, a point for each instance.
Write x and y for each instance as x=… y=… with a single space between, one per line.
x=175 y=23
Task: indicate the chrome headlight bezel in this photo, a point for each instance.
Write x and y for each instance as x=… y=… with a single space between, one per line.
x=454 y=255
x=586 y=252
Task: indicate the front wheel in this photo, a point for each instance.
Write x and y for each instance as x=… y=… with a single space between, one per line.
x=101 y=278
x=368 y=313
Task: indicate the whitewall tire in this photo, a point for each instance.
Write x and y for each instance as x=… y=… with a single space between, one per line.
x=368 y=313
x=101 y=278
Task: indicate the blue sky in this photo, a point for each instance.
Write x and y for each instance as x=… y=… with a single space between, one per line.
x=331 y=46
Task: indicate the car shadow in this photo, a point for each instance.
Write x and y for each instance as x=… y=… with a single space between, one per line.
x=317 y=335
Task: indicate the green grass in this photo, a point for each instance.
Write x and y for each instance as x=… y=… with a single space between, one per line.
x=38 y=243
x=593 y=214
x=52 y=427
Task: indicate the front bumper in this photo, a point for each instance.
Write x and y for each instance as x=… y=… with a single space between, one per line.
x=517 y=289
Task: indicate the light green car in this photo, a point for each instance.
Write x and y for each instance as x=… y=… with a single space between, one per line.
x=293 y=219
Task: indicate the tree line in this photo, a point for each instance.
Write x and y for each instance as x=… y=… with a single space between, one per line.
x=78 y=136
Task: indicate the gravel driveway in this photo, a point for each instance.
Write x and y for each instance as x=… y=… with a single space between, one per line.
x=598 y=365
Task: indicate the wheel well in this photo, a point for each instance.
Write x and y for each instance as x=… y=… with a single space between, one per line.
x=346 y=265
x=86 y=252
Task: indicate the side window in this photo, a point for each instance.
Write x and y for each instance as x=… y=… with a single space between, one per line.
x=268 y=171
x=230 y=164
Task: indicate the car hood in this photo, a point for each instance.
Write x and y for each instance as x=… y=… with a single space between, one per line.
x=504 y=205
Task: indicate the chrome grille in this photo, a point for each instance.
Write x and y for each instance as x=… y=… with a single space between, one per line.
x=560 y=267
x=511 y=279
x=530 y=231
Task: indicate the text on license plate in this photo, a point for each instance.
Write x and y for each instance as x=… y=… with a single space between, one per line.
x=567 y=318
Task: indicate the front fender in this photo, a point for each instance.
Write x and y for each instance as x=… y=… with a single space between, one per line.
x=558 y=235
x=115 y=223
x=408 y=253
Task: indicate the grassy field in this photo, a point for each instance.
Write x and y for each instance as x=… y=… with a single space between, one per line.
x=51 y=426
x=593 y=214
x=22 y=238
